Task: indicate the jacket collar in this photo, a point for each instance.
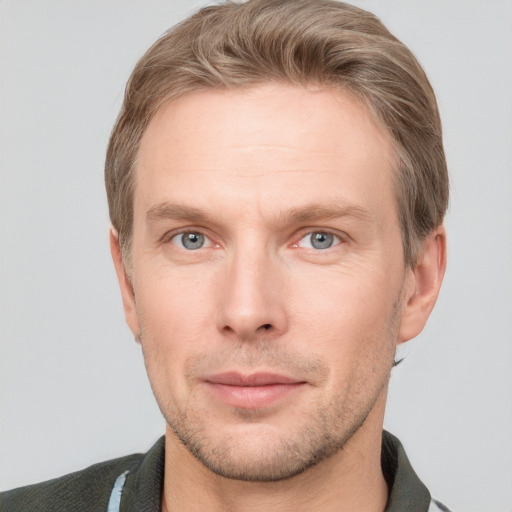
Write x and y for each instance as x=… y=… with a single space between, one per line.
x=144 y=483
x=407 y=493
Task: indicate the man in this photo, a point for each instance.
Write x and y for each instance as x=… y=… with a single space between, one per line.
x=277 y=186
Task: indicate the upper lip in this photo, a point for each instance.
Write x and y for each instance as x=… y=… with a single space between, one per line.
x=253 y=379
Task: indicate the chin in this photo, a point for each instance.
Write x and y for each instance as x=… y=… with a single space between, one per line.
x=257 y=463
x=259 y=452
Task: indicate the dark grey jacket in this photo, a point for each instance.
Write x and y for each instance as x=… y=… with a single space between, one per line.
x=134 y=484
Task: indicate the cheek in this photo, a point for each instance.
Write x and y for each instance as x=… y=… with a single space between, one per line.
x=345 y=303
x=349 y=320
x=176 y=318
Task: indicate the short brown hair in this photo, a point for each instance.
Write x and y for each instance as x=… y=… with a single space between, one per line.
x=321 y=42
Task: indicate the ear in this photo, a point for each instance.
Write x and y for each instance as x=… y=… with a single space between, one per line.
x=130 y=310
x=422 y=286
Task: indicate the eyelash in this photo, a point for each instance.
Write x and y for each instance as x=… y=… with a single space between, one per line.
x=168 y=237
x=338 y=238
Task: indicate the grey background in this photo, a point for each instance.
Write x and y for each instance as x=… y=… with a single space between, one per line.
x=73 y=389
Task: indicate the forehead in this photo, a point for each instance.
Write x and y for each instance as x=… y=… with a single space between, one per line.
x=272 y=145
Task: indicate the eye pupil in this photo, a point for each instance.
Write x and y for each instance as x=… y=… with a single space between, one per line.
x=192 y=240
x=321 y=240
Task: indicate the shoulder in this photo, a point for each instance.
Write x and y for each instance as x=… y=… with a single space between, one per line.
x=86 y=490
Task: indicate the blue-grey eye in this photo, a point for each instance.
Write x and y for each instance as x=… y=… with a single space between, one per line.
x=190 y=241
x=319 y=240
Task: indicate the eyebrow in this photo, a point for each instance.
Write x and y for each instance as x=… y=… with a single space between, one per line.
x=308 y=213
x=330 y=211
x=172 y=211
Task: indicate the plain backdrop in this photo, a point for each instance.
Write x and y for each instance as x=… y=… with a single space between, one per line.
x=73 y=389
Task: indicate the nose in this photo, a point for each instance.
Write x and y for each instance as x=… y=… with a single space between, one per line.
x=253 y=298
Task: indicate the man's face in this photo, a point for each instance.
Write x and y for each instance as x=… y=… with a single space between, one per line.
x=267 y=274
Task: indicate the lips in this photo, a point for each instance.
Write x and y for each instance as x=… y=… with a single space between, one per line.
x=255 y=379
x=251 y=391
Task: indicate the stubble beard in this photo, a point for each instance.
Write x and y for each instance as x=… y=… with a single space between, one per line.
x=281 y=457
x=323 y=431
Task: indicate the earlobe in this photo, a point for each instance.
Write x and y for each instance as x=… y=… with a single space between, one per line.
x=423 y=285
x=125 y=285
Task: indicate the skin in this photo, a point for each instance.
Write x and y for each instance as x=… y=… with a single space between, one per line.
x=256 y=171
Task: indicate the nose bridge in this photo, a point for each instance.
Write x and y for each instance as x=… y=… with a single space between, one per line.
x=252 y=301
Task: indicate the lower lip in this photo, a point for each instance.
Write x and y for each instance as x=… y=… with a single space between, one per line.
x=252 y=397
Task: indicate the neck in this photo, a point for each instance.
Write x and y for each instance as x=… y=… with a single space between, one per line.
x=351 y=479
